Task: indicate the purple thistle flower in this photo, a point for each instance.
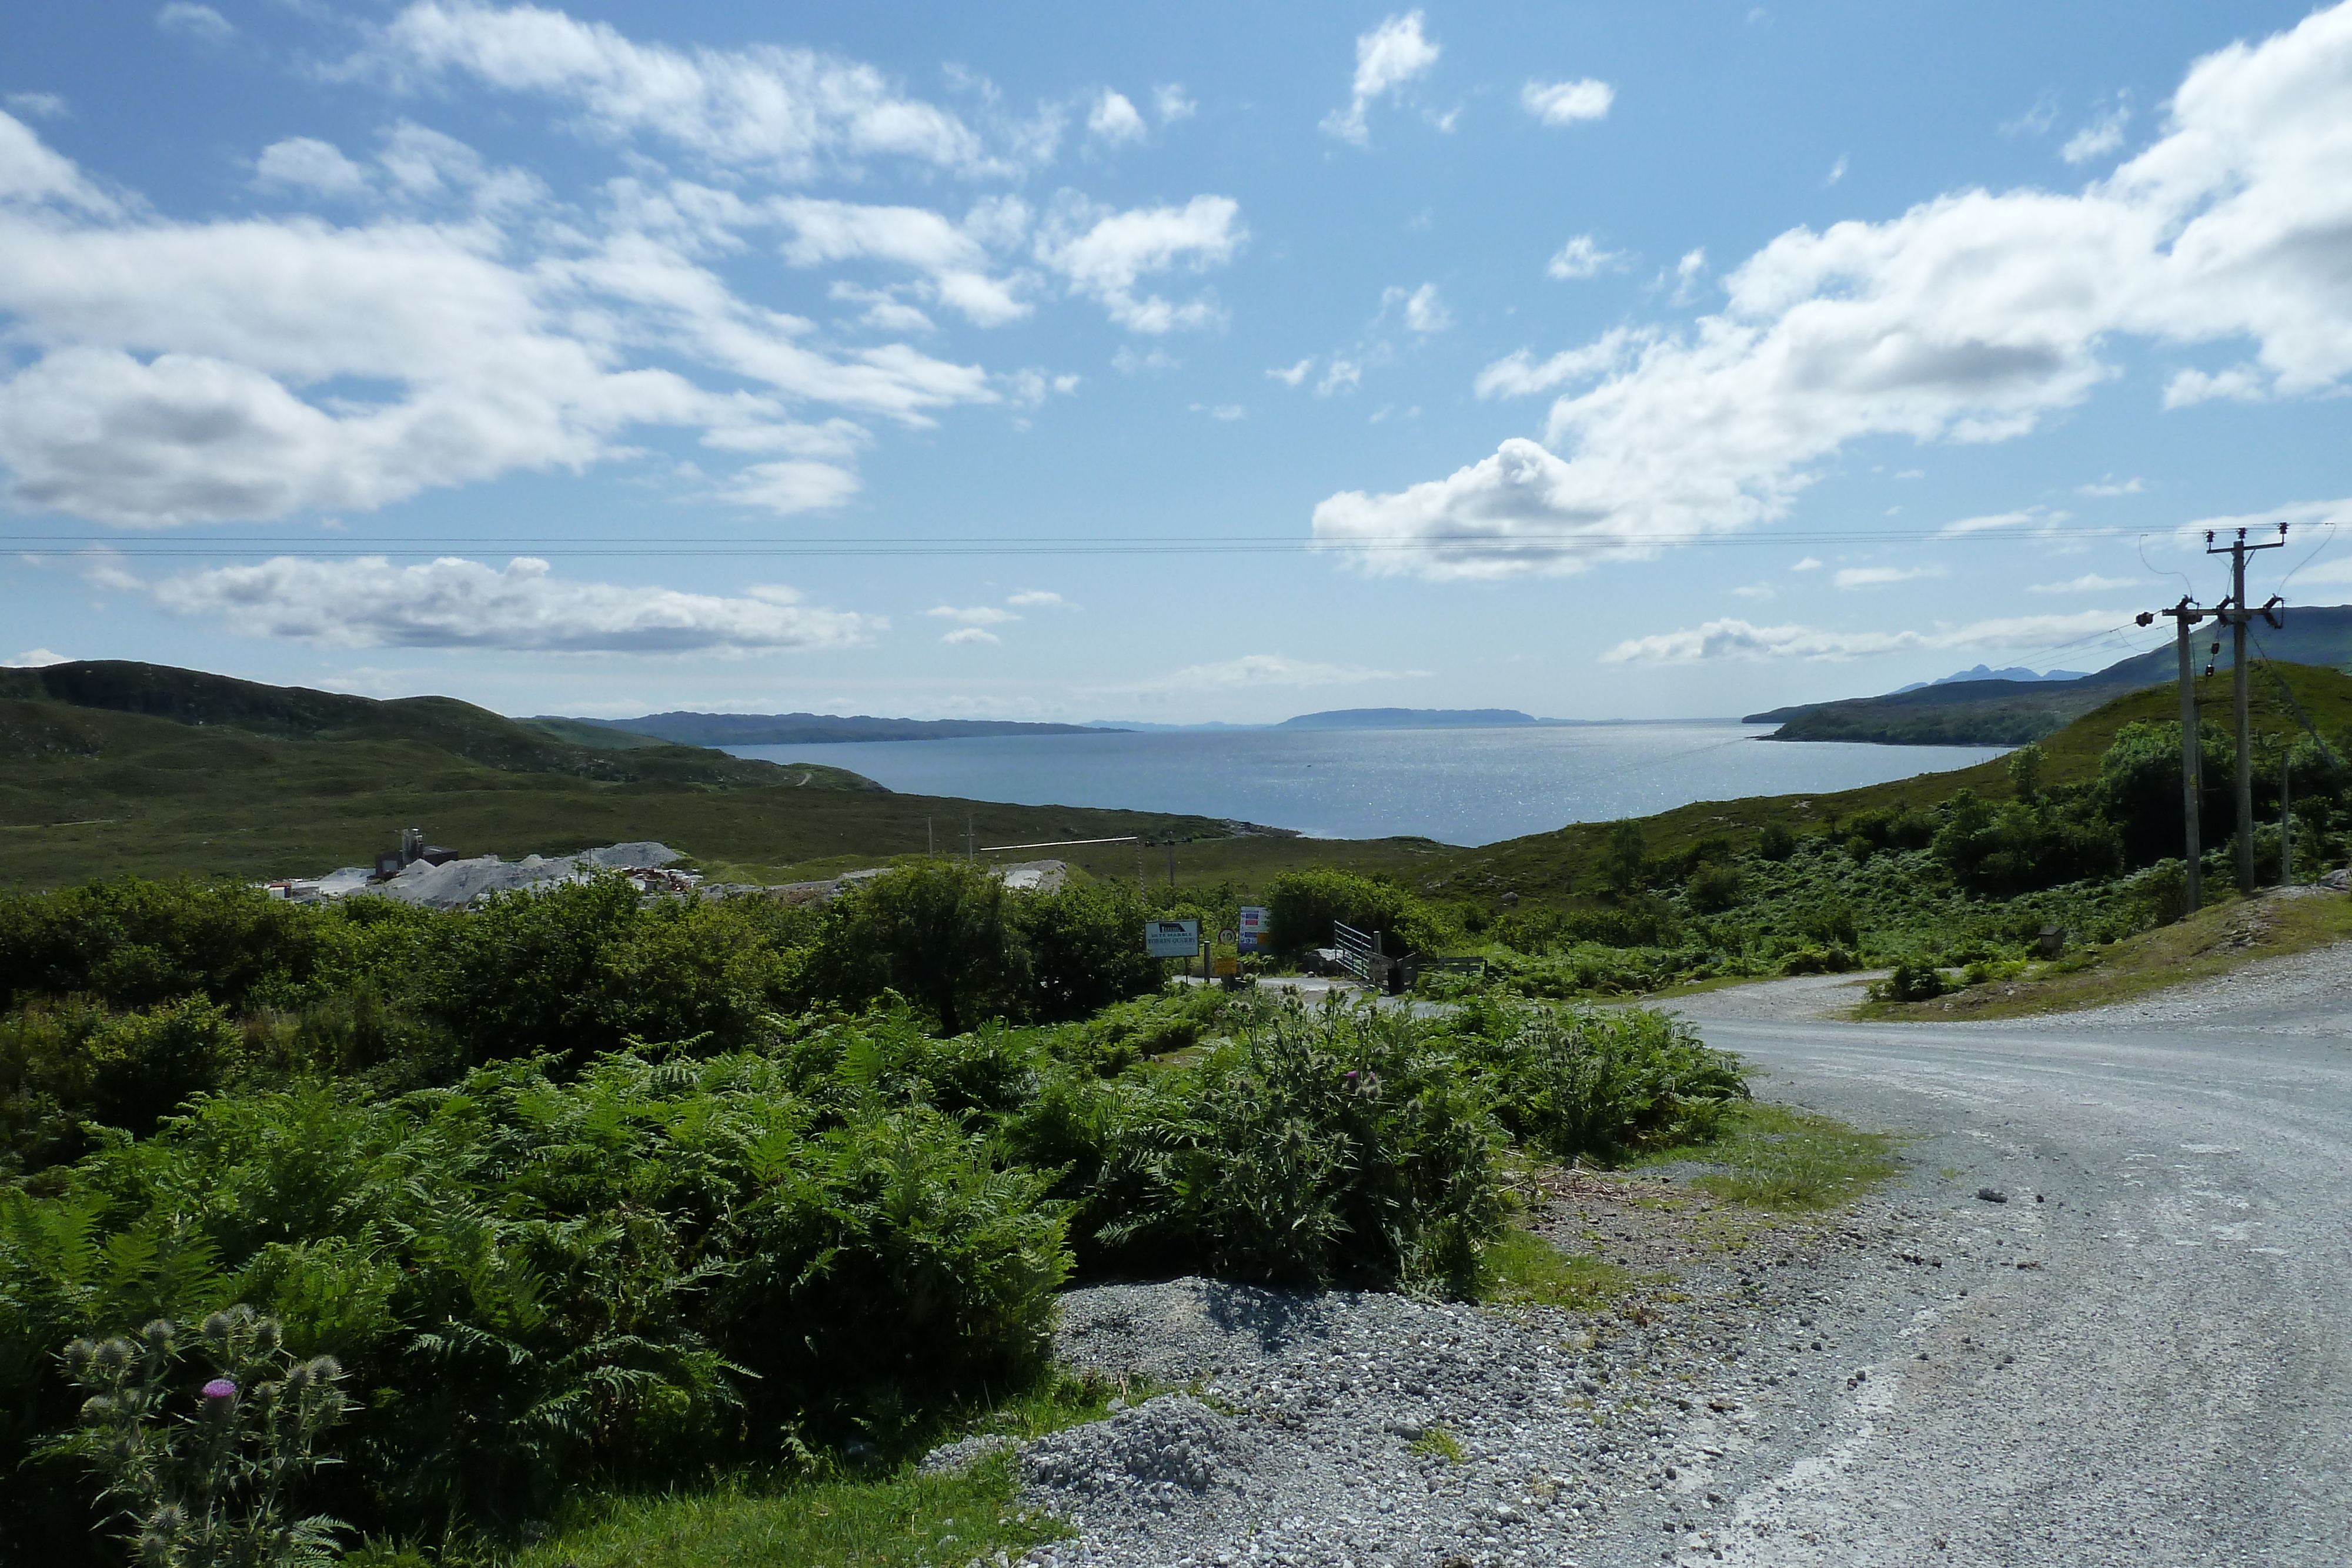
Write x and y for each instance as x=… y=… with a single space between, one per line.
x=220 y=1389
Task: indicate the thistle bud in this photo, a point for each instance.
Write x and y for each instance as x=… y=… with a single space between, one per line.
x=216 y=1326
x=78 y=1355
x=112 y=1356
x=155 y=1548
x=160 y=1333
x=265 y=1336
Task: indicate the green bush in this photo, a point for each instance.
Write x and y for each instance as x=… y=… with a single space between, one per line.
x=133 y=944
x=1714 y=888
x=1912 y=980
x=1592 y=1083
x=1302 y=906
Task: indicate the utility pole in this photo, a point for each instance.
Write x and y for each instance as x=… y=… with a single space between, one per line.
x=2192 y=770
x=2286 y=814
x=2236 y=613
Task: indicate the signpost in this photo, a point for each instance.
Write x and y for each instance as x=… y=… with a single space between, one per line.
x=1172 y=939
x=1250 y=938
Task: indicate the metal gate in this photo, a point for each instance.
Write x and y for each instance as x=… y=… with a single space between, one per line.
x=1356 y=950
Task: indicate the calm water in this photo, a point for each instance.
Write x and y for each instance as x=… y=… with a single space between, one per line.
x=1458 y=786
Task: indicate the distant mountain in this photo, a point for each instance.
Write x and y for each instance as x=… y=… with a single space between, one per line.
x=1414 y=718
x=726 y=730
x=2000 y=712
x=1985 y=673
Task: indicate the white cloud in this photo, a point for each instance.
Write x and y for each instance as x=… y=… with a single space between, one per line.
x=201 y=23
x=788 y=487
x=1256 y=671
x=2240 y=384
x=956 y=264
x=2111 y=486
x=310 y=164
x=1728 y=640
x=2089 y=582
x=2103 y=135
x=1222 y=411
x=1581 y=257
x=1113 y=119
x=1387 y=58
x=1688 y=272
x=1519 y=375
x=1756 y=591
x=1810 y=563
x=1291 y=375
x=1168 y=99
x=36 y=105
x=792 y=112
x=1837 y=171
x=454 y=603
x=173 y=363
x=1037 y=599
x=1104 y=253
x=1566 y=103
x=1156 y=362
x=34 y=659
x=1424 y=312
x=1855 y=577
x=1994 y=521
x=2036 y=121
x=1970 y=318
x=978 y=615
x=1341 y=376
x=966 y=635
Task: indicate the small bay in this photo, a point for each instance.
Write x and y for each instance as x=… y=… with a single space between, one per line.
x=1457 y=786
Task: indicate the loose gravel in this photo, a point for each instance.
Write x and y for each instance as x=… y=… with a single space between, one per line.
x=1371 y=1430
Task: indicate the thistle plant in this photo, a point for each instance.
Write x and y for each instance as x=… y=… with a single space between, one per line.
x=201 y=1481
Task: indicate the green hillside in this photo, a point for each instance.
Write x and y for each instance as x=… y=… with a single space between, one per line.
x=2012 y=713
x=112 y=768
x=1553 y=867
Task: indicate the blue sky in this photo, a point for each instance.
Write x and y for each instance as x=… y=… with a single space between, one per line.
x=1205 y=362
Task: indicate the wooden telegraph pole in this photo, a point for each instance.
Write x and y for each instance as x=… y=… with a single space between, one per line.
x=2234 y=612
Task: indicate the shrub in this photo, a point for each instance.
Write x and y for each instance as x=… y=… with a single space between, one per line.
x=1714 y=888
x=1302 y=906
x=133 y=944
x=936 y=932
x=1084 y=948
x=1776 y=842
x=1624 y=858
x=1912 y=980
x=1593 y=1083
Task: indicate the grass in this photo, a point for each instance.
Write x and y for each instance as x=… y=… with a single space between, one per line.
x=903 y=1521
x=1786 y=1160
x=2216 y=939
x=1521 y=1269
x=1437 y=1443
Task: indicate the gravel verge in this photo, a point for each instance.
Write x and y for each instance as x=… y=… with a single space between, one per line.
x=1363 y=1428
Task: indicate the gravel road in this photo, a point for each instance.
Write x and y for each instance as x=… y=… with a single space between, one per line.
x=2099 y=1322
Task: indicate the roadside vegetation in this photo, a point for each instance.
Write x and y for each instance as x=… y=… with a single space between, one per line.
x=581 y=1200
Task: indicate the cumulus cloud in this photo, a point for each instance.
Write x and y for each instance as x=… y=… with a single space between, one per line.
x=1104 y=253
x=1810 y=563
x=1169 y=100
x=1422 y=310
x=964 y=636
x=2102 y=136
x=2112 y=487
x=456 y=603
x=308 y=163
x=790 y=112
x=1970 y=318
x=1037 y=599
x=1387 y=58
x=1520 y=375
x=978 y=615
x=2089 y=582
x=1291 y=375
x=1566 y=103
x=1718 y=641
x=201 y=23
x=1855 y=577
x=1113 y=119
x=35 y=658
x=1580 y=258
x=173 y=363
x=36 y=105
x=955 y=262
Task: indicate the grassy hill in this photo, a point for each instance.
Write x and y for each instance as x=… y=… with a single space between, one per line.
x=109 y=767
x=2010 y=713
x=1552 y=868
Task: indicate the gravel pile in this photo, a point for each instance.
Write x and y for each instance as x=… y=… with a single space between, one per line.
x=1372 y=1429
x=457 y=884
